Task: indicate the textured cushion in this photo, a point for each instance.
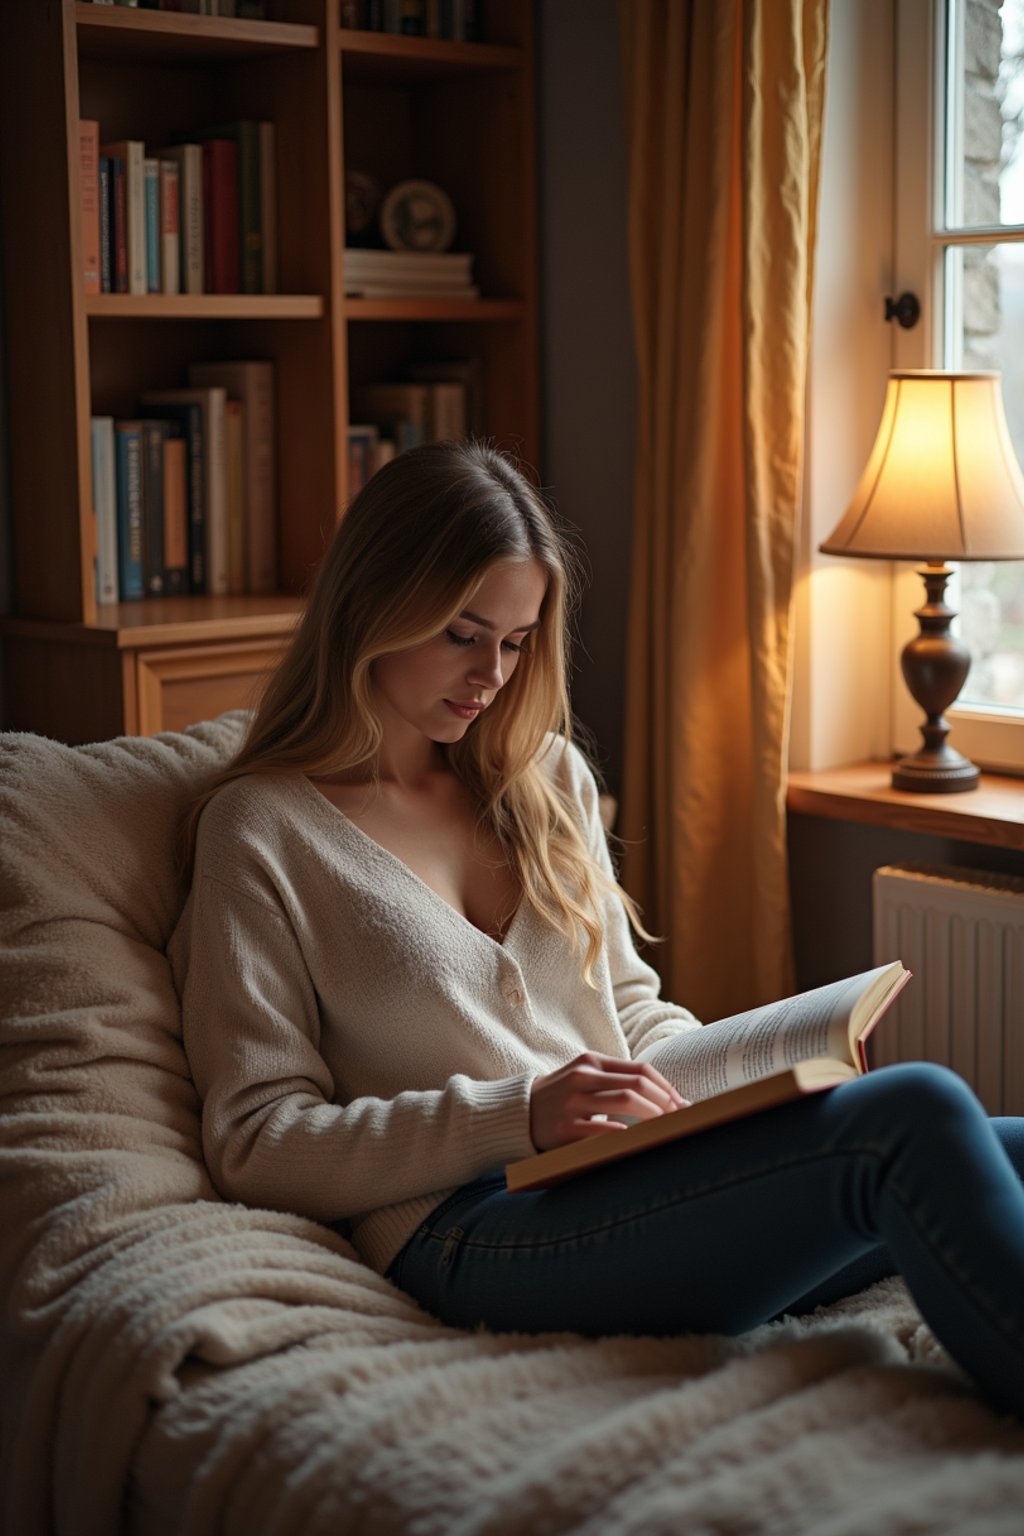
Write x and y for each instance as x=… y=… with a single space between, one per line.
x=89 y=898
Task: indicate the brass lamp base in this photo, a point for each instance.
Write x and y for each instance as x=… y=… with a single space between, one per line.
x=935 y=666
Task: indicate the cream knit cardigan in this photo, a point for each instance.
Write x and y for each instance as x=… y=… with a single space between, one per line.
x=360 y=1047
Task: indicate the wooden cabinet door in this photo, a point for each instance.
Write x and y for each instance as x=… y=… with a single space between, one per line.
x=181 y=686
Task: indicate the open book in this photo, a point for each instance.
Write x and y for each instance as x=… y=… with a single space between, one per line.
x=738 y=1065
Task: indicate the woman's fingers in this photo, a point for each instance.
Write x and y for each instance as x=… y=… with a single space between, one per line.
x=594 y=1074
x=588 y=1095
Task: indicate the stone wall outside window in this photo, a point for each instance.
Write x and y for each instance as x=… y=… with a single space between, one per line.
x=983 y=148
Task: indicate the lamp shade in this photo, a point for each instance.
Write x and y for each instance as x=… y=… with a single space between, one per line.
x=942 y=481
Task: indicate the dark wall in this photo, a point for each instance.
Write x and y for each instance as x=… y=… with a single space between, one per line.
x=587 y=364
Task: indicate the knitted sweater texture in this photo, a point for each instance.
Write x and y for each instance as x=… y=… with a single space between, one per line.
x=360 y=1047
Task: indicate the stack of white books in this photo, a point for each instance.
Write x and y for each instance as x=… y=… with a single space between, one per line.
x=373 y=274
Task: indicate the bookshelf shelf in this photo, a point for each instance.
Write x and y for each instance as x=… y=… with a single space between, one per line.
x=394 y=108
x=171 y=620
x=378 y=55
x=477 y=311
x=116 y=31
x=204 y=306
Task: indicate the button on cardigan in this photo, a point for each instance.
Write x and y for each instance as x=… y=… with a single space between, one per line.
x=361 y=1048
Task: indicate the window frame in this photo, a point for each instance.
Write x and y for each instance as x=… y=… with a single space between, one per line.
x=992 y=738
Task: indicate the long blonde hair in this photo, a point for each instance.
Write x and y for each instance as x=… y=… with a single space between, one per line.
x=409 y=552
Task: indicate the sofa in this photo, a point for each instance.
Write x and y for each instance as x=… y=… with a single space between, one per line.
x=175 y=1363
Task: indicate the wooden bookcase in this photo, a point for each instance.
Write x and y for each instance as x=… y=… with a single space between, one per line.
x=460 y=114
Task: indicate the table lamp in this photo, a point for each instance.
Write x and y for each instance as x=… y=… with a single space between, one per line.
x=942 y=483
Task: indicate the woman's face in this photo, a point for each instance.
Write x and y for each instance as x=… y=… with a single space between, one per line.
x=439 y=688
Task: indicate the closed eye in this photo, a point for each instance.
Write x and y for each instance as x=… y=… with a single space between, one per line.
x=506 y=645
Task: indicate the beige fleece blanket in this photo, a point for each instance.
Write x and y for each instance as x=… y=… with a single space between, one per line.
x=171 y=1363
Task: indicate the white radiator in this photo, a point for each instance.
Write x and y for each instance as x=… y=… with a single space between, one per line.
x=961 y=932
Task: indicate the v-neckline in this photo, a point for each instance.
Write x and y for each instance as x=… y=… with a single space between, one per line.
x=393 y=858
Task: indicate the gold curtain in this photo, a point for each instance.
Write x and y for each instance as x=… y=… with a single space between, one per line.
x=724 y=111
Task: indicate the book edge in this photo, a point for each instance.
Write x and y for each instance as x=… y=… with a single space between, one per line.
x=546 y=1168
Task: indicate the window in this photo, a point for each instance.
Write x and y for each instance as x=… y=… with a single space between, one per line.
x=960 y=245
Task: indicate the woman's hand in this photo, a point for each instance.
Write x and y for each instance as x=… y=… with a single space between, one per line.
x=563 y=1104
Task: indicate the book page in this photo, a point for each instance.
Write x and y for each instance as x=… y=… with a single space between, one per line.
x=752 y=1045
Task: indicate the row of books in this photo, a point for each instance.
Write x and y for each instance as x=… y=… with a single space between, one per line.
x=368 y=451
x=372 y=274
x=254 y=10
x=193 y=217
x=184 y=492
x=456 y=20
x=398 y=416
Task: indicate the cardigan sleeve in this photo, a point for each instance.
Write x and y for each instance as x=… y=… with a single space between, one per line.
x=272 y=1135
x=644 y=1016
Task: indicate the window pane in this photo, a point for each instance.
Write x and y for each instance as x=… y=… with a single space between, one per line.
x=985 y=114
x=984 y=288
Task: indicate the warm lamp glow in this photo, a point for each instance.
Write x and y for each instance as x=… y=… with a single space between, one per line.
x=942 y=483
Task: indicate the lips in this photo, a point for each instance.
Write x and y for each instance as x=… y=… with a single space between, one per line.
x=465 y=709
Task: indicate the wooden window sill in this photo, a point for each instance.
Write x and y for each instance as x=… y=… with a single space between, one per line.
x=992 y=814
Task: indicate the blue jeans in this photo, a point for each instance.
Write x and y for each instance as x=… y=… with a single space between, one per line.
x=900 y=1171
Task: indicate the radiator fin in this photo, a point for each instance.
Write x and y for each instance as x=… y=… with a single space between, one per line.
x=961 y=932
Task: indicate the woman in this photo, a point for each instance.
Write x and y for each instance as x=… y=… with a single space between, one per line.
x=405 y=962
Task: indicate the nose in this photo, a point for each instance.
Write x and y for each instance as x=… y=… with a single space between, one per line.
x=485 y=670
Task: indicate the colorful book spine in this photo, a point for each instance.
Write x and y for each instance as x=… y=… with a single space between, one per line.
x=175 y=511
x=89 y=193
x=234 y=413
x=170 y=221
x=250 y=228
x=132 y=153
x=104 y=507
x=118 y=226
x=214 y=402
x=182 y=406
x=189 y=160
x=128 y=445
x=245 y=135
x=105 y=274
x=220 y=215
x=153 y=433
x=151 y=185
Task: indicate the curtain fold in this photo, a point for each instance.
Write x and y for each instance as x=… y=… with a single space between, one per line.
x=724 y=110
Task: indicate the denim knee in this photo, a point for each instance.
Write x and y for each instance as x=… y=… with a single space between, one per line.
x=919 y=1093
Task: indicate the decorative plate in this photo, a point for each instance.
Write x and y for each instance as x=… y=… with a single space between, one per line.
x=417 y=216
